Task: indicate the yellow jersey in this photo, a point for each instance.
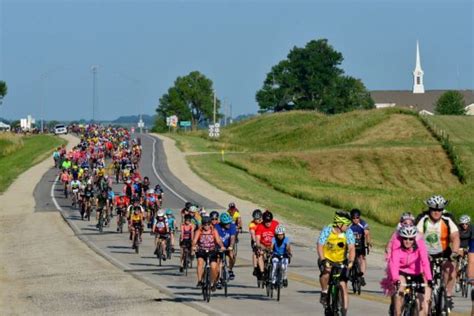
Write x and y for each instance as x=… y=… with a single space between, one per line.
x=335 y=245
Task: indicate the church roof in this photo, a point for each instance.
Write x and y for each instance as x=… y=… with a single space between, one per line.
x=418 y=101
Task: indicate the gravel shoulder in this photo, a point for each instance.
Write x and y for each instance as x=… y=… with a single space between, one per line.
x=46 y=269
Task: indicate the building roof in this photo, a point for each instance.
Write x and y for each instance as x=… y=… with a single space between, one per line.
x=418 y=101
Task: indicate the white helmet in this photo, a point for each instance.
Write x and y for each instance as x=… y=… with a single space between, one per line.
x=150 y=191
x=407 y=216
x=408 y=231
x=465 y=219
x=193 y=209
x=436 y=202
x=160 y=213
x=280 y=230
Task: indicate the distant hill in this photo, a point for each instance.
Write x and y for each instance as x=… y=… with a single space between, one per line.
x=133 y=119
x=4 y=120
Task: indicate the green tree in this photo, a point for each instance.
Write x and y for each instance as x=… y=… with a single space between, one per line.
x=310 y=78
x=3 y=90
x=451 y=103
x=51 y=124
x=191 y=98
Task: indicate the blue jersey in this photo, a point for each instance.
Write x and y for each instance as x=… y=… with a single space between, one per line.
x=171 y=221
x=110 y=195
x=359 y=233
x=471 y=246
x=280 y=250
x=225 y=234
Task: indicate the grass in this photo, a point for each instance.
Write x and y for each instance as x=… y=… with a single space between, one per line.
x=383 y=162
x=33 y=150
x=9 y=143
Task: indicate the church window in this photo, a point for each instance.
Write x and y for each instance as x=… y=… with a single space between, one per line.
x=418 y=81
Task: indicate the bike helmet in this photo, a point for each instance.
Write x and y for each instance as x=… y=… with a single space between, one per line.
x=355 y=213
x=214 y=215
x=169 y=211
x=342 y=217
x=231 y=205
x=436 y=202
x=206 y=220
x=160 y=213
x=280 y=230
x=267 y=216
x=188 y=205
x=464 y=219
x=225 y=219
x=257 y=214
x=150 y=191
x=193 y=209
x=406 y=216
x=408 y=231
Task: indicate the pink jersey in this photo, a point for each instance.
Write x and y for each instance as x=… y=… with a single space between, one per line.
x=410 y=261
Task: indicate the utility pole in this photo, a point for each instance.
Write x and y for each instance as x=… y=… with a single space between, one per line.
x=230 y=113
x=94 y=91
x=225 y=112
x=214 y=107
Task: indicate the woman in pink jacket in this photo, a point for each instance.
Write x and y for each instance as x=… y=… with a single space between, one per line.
x=410 y=260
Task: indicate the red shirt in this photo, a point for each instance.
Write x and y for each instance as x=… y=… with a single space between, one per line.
x=266 y=233
x=122 y=201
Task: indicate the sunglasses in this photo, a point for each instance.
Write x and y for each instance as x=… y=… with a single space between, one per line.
x=356 y=217
x=410 y=239
x=207 y=224
x=435 y=210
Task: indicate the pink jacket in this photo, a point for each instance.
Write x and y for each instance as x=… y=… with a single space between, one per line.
x=410 y=261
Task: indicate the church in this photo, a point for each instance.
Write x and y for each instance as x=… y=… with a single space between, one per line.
x=418 y=99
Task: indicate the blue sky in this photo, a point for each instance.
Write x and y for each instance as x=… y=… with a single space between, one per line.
x=142 y=46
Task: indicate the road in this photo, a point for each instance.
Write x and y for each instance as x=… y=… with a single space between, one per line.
x=300 y=298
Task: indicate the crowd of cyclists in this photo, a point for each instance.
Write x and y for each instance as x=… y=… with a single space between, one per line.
x=427 y=257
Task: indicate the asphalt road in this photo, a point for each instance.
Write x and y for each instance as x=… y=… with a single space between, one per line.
x=300 y=298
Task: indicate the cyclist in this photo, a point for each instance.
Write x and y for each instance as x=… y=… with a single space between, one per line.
x=227 y=231
x=281 y=247
x=121 y=204
x=235 y=214
x=264 y=234
x=439 y=232
x=102 y=202
x=362 y=240
x=185 y=210
x=336 y=244
x=256 y=220
x=171 y=225
x=205 y=241
x=470 y=272
x=159 y=193
x=162 y=232
x=136 y=222
x=110 y=201
x=466 y=233
x=214 y=215
x=410 y=261
x=186 y=238
x=75 y=186
x=195 y=217
x=65 y=179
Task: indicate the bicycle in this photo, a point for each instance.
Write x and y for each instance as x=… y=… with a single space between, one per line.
x=463 y=284
x=278 y=277
x=75 y=197
x=335 y=298
x=187 y=259
x=224 y=275
x=439 y=297
x=410 y=300
x=136 y=238
x=206 y=283
x=159 y=249
x=103 y=219
x=355 y=277
x=268 y=274
x=121 y=219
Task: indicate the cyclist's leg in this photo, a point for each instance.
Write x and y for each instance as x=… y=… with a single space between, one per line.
x=424 y=300
x=214 y=268
x=260 y=261
x=399 y=296
x=200 y=267
x=231 y=262
x=163 y=247
x=449 y=275
x=275 y=264
x=284 y=268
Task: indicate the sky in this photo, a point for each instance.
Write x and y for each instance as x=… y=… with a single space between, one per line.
x=47 y=48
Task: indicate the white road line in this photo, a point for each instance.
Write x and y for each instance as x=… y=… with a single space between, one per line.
x=156 y=173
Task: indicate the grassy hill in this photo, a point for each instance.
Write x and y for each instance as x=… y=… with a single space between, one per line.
x=381 y=161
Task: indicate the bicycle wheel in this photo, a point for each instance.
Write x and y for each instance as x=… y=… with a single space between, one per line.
x=224 y=280
x=136 y=243
x=101 y=223
x=204 y=285
x=462 y=280
x=208 y=284
x=278 y=282
x=168 y=248
x=159 y=252
x=268 y=280
x=443 y=308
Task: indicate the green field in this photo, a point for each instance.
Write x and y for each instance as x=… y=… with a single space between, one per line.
x=18 y=154
x=382 y=161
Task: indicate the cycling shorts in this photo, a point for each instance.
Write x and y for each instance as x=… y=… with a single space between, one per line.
x=211 y=254
x=185 y=243
x=162 y=236
x=361 y=251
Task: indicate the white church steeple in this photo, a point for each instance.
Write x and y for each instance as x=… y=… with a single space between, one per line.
x=418 y=86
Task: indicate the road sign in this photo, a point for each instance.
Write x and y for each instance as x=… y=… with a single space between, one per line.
x=168 y=121
x=141 y=124
x=214 y=130
x=185 y=123
x=172 y=121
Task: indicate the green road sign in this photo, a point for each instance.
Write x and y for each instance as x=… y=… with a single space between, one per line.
x=185 y=123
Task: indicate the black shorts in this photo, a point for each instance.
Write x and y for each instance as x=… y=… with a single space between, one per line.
x=203 y=254
x=361 y=252
x=418 y=278
x=186 y=243
x=445 y=254
x=163 y=236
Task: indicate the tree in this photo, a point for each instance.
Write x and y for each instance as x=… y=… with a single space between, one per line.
x=191 y=98
x=3 y=90
x=310 y=78
x=451 y=103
